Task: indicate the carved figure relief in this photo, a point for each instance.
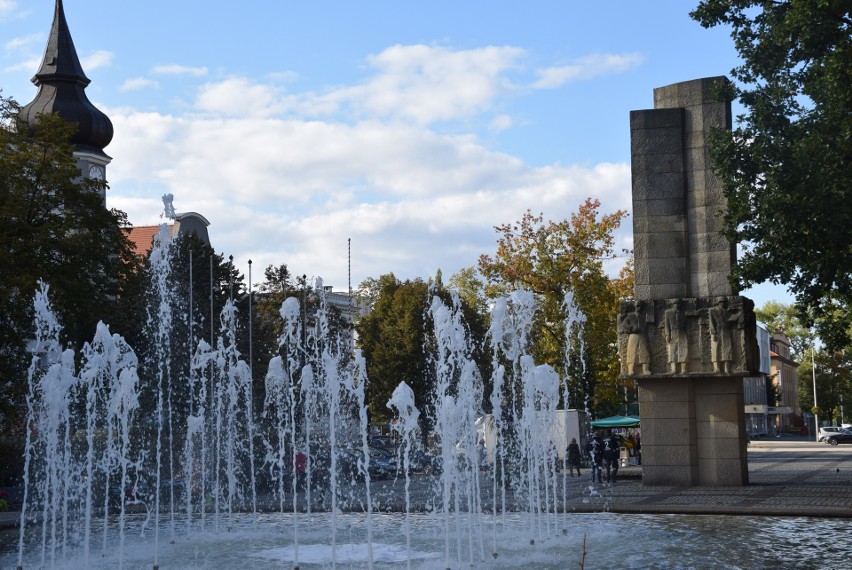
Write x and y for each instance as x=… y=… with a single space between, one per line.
x=638 y=356
x=687 y=337
x=677 y=339
x=721 y=318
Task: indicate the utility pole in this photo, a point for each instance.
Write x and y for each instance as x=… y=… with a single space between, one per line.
x=251 y=367
x=813 y=369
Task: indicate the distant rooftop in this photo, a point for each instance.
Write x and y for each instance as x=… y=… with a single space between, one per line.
x=143 y=238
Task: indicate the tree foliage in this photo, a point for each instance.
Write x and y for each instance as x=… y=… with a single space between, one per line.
x=779 y=316
x=54 y=227
x=396 y=339
x=550 y=259
x=834 y=389
x=392 y=337
x=787 y=167
x=833 y=367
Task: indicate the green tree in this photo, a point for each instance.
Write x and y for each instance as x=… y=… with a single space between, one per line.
x=392 y=337
x=551 y=259
x=780 y=316
x=833 y=385
x=270 y=293
x=54 y=227
x=787 y=167
x=396 y=340
x=200 y=282
x=470 y=287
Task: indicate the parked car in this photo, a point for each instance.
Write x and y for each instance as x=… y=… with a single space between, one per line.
x=383 y=441
x=424 y=463
x=843 y=436
x=383 y=464
x=826 y=431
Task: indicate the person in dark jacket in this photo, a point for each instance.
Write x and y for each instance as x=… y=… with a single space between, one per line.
x=610 y=456
x=594 y=449
x=574 y=457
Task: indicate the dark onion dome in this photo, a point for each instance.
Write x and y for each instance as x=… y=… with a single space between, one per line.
x=61 y=83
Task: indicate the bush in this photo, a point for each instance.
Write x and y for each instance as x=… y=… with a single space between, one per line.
x=11 y=462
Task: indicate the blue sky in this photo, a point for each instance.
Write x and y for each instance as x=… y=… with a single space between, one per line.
x=411 y=128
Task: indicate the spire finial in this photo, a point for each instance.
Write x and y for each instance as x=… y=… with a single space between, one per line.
x=60 y=56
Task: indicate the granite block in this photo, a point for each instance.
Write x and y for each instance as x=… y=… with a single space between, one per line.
x=659 y=186
x=656 y=119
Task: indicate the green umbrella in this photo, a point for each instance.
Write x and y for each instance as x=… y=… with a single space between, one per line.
x=616 y=421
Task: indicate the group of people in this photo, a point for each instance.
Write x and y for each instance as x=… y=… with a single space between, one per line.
x=602 y=453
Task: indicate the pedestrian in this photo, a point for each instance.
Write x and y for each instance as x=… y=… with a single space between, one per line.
x=637 y=450
x=610 y=456
x=300 y=464
x=574 y=458
x=594 y=449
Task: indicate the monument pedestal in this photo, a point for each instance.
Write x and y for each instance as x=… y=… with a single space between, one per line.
x=689 y=357
x=693 y=431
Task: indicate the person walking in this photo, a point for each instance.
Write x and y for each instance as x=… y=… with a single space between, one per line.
x=610 y=456
x=574 y=457
x=594 y=449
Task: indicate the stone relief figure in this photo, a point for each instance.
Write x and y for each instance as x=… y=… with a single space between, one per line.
x=720 y=319
x=677 y=340
x=638 y=355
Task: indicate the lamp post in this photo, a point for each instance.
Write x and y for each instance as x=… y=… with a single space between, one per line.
x=813 y=369
x=231 y=278
x=251 y=367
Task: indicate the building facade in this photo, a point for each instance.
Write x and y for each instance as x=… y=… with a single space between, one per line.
x=787 y=413
x=754 y=390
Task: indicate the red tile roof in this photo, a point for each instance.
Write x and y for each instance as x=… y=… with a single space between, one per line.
x=143 y=238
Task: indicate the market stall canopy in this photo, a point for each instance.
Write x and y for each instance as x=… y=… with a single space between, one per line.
x=616 y=421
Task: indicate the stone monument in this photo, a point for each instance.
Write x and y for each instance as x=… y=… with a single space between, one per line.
x=688 y=339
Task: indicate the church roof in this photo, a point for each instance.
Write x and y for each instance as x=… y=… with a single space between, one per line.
x=61 y=83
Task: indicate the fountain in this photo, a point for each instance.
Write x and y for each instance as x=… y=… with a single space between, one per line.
x=111 y=462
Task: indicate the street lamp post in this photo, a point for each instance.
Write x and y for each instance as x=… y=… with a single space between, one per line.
x=251 y=366
x=813 y=369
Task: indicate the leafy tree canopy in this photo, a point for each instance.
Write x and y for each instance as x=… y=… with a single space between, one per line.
x=54 y=227
x=396 y=339
x=787 y=167
x=779 y=316
x=392 y=337
x=550 y=259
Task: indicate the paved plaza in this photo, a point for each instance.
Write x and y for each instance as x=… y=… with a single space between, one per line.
x=788 y=476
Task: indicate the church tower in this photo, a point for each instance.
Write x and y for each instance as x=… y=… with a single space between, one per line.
x=61 y=83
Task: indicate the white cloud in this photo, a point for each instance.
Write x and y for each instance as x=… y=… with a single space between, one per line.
x=136 y=83
x=97 y=60
x=289 y=177
x=283 y=76
x=425 y=84
x=7 y=7
x=292 y=191
x=30 y=65
x=238 y=96
x=175 y=69
x=500 y=123
x=585 y=68
x=16 y=44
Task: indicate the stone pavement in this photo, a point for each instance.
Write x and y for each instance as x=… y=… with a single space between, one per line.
x=788 y=477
